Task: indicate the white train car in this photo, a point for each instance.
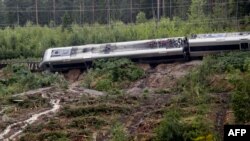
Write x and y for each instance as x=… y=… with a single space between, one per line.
x=155 y=50
x=76 y=56
x=203 y=44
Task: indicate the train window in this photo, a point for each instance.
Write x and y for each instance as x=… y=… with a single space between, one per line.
x=73 y=51
x=244 y=46
x=60 y=52
x=85 y=50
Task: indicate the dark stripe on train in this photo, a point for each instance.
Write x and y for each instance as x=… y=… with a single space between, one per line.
x=158 y=58
x=83 y=64
x=71 y=65
x=215 y=48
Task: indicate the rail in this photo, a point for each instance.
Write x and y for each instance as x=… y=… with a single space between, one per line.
x=33 y=65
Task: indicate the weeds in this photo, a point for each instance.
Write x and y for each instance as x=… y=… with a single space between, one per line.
x=195 y=89
x=118 y=133
x=111 y=75
x=173 y=128
x=18 y=78
x=94 y=110
x=25 y=42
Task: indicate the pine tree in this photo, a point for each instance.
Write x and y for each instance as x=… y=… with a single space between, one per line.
x=66 y=22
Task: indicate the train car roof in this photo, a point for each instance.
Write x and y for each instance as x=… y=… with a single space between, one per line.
x=220 y=35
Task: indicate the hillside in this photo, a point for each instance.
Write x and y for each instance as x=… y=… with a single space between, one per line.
x=120 y=100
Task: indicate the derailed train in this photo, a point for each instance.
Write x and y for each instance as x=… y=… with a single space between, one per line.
x=155 y=50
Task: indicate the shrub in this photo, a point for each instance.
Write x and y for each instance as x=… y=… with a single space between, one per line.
x=53 y=136
x=241 y=97
x=118 y=133
x=18 y=78
x=104 y=85
x=112 y=74
x=141 y=17
x=32 y=40
x=170 y=129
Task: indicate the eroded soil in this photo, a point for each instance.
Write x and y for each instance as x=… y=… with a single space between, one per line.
x=85 y=114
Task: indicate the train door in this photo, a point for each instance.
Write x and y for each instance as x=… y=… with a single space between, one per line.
x=244 y=46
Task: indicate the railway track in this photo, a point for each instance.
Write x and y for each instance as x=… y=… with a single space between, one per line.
x=33 y=65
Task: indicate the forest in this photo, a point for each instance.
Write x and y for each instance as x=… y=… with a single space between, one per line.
x=45 y=12
x=30 y=27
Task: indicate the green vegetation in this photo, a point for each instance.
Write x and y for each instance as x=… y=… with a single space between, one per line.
x=196 y=112
x=223 y=69
x=173 y=128
x=118 y=133
x=112 y=75
x=83 y=119
x=48 y=136
x=93 y=110
x=21 y=38
x=141 y=17
x=225 y=75
x=31 y=41
x=18 y=78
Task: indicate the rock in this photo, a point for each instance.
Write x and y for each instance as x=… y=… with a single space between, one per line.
x=134 y=91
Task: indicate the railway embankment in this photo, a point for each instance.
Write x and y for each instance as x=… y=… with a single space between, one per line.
x=118 y=99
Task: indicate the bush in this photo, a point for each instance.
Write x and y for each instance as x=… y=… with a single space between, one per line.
x=170 y=129
x=53 y=136
x=141 y=17
x=197 y=84
x=241 y=97
x=18 y=78
x=32 y=40
x=118 y=133
x=104 y=85
x=112 y=74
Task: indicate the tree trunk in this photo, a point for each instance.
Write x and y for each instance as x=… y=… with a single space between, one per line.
x=36 y=13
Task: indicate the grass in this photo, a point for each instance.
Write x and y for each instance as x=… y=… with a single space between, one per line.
x=191 y=115
x=32 y=40
x=112 y=75
x=190 y=118
x=18 y=78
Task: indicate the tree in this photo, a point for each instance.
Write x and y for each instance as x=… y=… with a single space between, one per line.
x=2 y=14
x=196 y=14
x=66 y=22
x=141 y=17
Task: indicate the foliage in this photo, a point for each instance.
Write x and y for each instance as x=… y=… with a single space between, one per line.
x=141 y=17
x=93 y=110
x=32 y=41
x=118 y=133
x=119 y=69
x=241 y=99
x=235 y=69
x=196 y=88
x=170 y=129
x=83 y=122
x=83 y=12
x=53 y=136
x=18 y=78
x=240 y=77
x=112 y=74
x=48 y=136
x=66 y=22
x=197 y=84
